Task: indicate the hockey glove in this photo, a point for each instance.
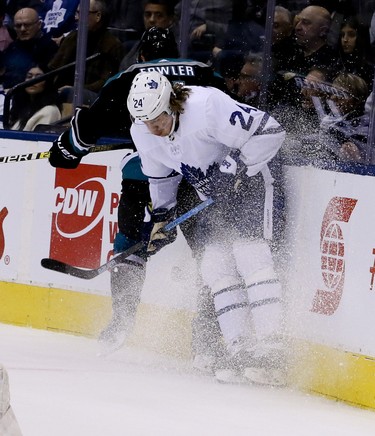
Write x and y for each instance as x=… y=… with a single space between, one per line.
x=153 y=233
x=68 y=150
x=230 y=176
x=63 y=154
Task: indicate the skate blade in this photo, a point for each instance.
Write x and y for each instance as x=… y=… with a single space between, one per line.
x=266 y=376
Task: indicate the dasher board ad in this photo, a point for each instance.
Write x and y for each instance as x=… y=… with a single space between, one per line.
x=331 y=258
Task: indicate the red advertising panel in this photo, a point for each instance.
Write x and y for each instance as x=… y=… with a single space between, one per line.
x=77 y=220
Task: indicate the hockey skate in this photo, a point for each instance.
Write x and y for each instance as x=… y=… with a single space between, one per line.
x=114 y=336
x=261 y=364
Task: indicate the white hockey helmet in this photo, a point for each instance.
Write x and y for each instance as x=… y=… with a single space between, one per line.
x=149 y=96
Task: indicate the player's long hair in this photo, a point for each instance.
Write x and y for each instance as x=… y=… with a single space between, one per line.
x=179 y=96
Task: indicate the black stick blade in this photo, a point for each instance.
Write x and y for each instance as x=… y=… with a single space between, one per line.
x=64 y=268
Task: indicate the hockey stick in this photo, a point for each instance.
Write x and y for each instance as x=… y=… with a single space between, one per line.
x=45 y=154
x=58 y=266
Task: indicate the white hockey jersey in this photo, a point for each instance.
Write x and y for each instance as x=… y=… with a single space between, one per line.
x=211 y=125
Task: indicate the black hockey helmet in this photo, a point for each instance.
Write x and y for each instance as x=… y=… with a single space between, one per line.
x=157 y=43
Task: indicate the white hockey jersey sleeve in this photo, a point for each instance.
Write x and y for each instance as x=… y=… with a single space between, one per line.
x=237 y=125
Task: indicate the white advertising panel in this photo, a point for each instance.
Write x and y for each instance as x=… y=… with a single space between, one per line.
x=331 y=241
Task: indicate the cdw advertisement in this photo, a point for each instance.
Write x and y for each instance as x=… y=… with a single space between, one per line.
x=84 y=216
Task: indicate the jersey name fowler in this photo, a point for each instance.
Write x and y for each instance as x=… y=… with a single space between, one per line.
x=170 y=70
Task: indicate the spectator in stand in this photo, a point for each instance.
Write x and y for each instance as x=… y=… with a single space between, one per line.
x=245 y=33
x=249 y=79
x=343 y=132
x=311 y=30
x=282 y=37
x=349 y=103
x=58 y=17
x=355 y=49
x=310 y=50
x=99 y=40
x=36 y=104
x=209 y=21
x=355 y=147
x=156 y=13
x=30 y=47
x=244 y=37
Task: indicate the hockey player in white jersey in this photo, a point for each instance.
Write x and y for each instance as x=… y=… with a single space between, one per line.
x=226 y=150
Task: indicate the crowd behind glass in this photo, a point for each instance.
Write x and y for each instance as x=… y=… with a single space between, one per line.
x=310 y=63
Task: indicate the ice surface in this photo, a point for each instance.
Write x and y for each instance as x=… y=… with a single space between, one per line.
x=60 y=387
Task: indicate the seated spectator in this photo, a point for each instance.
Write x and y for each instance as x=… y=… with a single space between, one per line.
x=208 y=24
x=99 y=40
x=245 y=31
x=58 y=17
x=310 y=50
x=338 y=9
x=345 y=122
x=156 y=13
x=311 y=30
x=282 y=37
x=349 y=103
x=30 y=47
x=355 y=147
x=249 y=79
x=36 y=104
x=355 y=49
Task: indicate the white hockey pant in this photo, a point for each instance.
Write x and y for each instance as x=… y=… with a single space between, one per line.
x=244 y=310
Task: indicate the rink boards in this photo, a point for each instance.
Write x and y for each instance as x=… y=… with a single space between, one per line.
x=328 y=266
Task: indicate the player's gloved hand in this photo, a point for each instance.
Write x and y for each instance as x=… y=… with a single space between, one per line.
x=68 y=150
x=153 y=233
x=63 y=154
x=229 y=177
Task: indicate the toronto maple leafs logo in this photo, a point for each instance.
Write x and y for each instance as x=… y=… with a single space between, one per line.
x=196 y=177
x=152 y=84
